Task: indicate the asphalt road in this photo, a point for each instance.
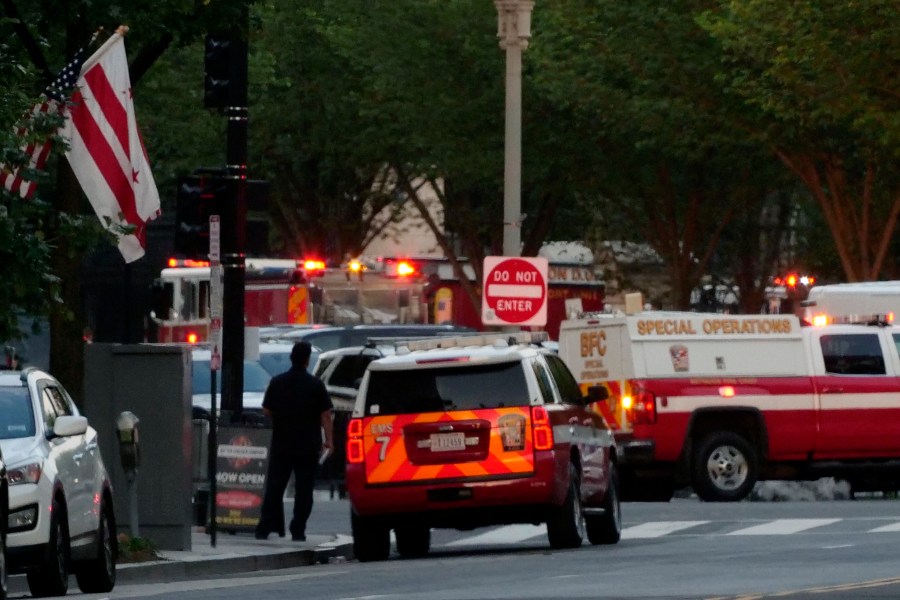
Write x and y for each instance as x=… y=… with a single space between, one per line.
x=680 y=550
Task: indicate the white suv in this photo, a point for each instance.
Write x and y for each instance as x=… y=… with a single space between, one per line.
x=61 y=516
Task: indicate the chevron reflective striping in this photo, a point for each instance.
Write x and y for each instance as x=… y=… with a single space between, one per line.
x=655 y=529
x=784 y=526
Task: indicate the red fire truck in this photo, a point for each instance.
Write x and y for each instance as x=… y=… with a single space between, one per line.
x=384 y=291
x=567 y=282
x=275 y=292
x=287 y=291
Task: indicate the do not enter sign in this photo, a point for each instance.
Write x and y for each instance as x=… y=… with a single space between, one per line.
x=514 y=291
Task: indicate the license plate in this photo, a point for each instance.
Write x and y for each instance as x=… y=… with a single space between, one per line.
x=444 y=442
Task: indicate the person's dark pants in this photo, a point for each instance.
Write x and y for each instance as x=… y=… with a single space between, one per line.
x=279 y=473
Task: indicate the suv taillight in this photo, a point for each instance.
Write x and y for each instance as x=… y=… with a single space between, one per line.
x=355 y=452
x=541 y=432
x=643 y=407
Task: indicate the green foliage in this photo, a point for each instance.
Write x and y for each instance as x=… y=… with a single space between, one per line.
x=820 y=69
x=136 y=549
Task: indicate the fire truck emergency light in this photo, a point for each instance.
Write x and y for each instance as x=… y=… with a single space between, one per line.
x=312 y=264
x=192 y=338
x=187 y=262
x=405 y=269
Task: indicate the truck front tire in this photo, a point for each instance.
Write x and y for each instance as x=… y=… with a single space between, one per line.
x=724 y=467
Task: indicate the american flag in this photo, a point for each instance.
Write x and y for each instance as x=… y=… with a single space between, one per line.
x=20 y=179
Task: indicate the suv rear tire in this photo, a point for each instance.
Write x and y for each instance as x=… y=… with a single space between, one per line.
x=371 y=539
x=607 y=528
x=566 y=527
x=413 y=541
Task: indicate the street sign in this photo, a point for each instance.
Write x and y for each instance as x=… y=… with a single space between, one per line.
x=216 y=275
x=514 y=291
x=215 y=343
x=215 y=240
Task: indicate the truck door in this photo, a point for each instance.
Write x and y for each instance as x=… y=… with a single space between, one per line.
x=857 y=387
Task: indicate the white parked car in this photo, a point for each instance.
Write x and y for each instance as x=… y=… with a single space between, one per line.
x=256 y=380
x=275 y=356
x=61 y=518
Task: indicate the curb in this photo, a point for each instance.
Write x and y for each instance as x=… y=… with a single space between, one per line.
x=160 y=571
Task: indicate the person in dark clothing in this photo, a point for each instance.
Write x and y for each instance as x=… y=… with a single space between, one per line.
x=300 y=410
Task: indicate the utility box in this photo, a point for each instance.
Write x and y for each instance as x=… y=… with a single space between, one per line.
x=154 y=383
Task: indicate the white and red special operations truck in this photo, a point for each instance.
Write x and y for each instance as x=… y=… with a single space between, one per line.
x=721 y=401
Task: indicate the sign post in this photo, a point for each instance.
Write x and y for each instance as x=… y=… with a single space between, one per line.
x=514 y=291
x=215 y=360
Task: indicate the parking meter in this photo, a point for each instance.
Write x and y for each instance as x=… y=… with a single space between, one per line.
x=129 y=442
x=130 y=454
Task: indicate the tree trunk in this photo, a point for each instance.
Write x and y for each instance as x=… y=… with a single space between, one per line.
x=66 y=315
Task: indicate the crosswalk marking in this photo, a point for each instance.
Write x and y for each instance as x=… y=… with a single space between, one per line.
x=509 y=534
x=655 y=529
x=783 y=526
x=514 y=534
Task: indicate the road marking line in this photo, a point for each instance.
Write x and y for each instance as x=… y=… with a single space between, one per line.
x=884 y=528
x=784 y=526
x=655 y=529
x=509 y=534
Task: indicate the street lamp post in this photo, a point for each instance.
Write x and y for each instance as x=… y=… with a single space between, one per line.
x=514 y=31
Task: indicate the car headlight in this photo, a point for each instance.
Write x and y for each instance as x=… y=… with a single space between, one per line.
x=30 y=473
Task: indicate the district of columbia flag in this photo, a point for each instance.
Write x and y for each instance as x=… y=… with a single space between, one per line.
x=106 y=151
x=20 y=180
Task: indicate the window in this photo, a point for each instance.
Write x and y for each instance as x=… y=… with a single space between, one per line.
x=852 y=354
x=16 y=416
x=48 y=408
x=349 y=371
x=897 y=342
x=565 y=383
x=448 y=388
x=543 y=379
x=256 y=378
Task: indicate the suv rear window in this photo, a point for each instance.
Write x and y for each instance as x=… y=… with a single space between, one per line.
x=449 y=388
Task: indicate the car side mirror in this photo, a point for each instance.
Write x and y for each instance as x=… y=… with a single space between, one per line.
x=596 y=393
x=68 y=425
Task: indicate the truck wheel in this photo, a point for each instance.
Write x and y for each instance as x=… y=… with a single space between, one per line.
x=724 y=468
x=371 y=540
x=413 y=542
x=565 y=526
x=607 y=528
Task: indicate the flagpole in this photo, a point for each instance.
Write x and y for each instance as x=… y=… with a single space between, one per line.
x=95 y=57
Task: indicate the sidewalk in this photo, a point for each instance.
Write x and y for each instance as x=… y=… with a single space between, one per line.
x=238 y=553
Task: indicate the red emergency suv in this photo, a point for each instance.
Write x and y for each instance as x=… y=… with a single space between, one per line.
x=475 y=431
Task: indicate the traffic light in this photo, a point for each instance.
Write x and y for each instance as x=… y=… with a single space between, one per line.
x=224 y=72
x=196 y=199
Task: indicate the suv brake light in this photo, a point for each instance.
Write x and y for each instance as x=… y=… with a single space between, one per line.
x=540 y=428
x=355 y=453
x=643 y=407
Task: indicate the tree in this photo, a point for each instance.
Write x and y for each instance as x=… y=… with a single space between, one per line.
x=24 y=249
x=47 y=36
x=670 y=153
x=824 y=74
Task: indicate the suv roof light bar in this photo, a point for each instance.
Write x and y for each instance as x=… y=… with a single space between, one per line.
x=484 y=339
x=877 y=319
